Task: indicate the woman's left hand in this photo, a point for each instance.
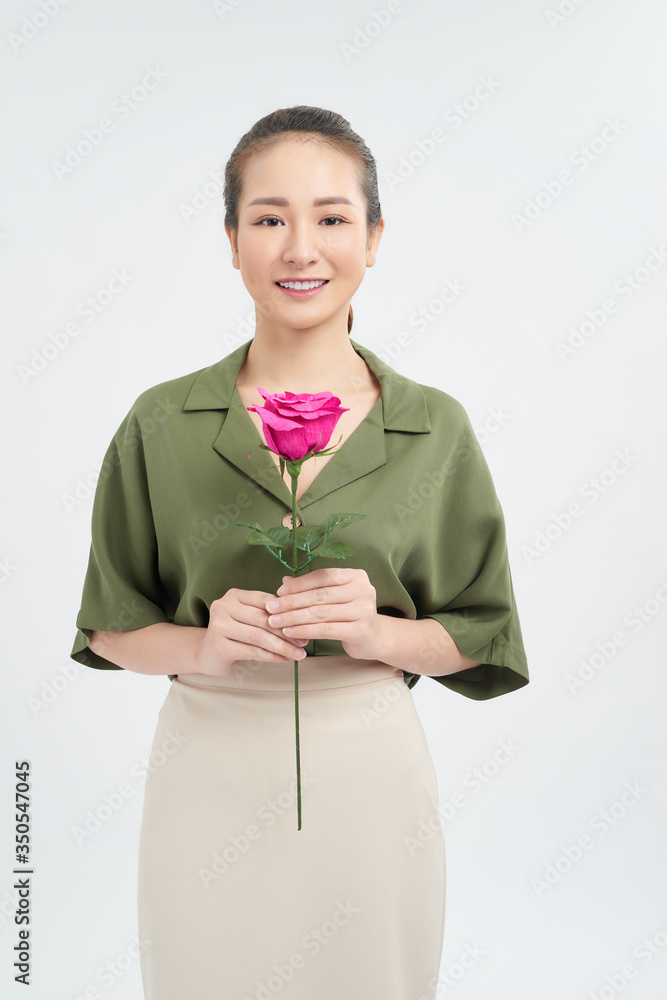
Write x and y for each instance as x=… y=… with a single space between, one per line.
x=331 y=603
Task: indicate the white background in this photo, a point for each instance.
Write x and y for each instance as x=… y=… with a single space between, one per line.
x=452 y=210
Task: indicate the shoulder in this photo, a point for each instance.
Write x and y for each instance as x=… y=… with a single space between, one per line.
x=445 y=411
x=156 y=413
x=412 y=404
x=164 y=398
x=441 y=402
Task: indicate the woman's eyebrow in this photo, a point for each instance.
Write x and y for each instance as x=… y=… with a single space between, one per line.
x=283 y=202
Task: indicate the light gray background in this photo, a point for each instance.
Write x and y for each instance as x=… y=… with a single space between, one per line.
x=558 y=80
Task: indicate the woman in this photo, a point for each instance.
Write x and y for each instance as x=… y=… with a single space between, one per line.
x=234 y=900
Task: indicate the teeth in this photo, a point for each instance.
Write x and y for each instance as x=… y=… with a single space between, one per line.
x=299 y=285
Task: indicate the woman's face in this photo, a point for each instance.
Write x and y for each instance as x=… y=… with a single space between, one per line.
x=284 y=236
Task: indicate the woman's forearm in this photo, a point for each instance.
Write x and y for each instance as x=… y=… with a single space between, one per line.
x=162 y=648
x=421 y=646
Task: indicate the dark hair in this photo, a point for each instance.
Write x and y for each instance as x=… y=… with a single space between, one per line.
x=325 y=126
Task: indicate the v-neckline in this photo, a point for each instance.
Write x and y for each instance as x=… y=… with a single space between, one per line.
x=379 y=403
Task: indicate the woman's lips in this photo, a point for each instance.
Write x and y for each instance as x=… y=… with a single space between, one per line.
x=302 y=293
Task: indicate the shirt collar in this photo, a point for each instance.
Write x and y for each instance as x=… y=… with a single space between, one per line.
x=403 y=401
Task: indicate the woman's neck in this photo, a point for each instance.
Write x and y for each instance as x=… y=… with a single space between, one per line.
x=301 y=362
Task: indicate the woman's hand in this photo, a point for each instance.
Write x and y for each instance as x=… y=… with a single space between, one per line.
x=330 y=603
x=238 y=629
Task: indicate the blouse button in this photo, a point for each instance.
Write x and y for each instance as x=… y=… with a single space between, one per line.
x=287 y=520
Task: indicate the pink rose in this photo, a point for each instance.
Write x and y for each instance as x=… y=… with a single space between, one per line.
x=296 y=423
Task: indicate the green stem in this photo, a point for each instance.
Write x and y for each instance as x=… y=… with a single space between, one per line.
x=279 y=558
x=292 y=568
x=295 y=479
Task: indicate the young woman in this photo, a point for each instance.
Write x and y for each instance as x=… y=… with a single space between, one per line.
x=234 y=901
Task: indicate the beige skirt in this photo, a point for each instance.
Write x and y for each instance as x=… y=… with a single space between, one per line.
x=234 y=901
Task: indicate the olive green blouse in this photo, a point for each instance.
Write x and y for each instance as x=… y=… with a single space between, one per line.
x=433 y=543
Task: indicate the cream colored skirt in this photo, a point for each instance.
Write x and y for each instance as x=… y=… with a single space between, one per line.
x=235 y=902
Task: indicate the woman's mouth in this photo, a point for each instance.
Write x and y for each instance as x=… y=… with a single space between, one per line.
x=302 y=289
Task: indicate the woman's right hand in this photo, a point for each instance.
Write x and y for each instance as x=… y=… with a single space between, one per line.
x=239 y=629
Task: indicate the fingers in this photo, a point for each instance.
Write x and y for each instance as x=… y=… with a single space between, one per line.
x=265 y=643
x=256 y=598
x=245 y=651
x=320 y=614
x=334 y=576
x=314 y=597
x=239 y=620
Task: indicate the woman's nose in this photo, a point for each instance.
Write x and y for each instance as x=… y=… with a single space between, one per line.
x=302 y=246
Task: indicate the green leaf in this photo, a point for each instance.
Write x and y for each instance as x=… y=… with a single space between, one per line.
x=341 y=521
x=246 y=524
x=333 y=550
x=263 y=538
x=280 y=534
x=309 y=536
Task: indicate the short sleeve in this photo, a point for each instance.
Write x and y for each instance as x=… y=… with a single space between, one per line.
x=468 y=587
x=121 y=588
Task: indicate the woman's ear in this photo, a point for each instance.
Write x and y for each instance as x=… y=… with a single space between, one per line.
x=233 y=240
x=373 y=242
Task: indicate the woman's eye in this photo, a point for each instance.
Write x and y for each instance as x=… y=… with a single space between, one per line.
x=272 y=218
